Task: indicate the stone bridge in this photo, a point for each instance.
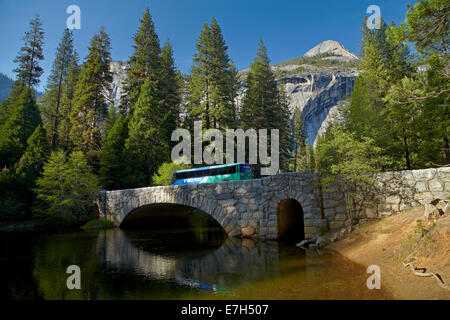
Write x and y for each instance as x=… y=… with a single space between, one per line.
x=282 y=205
x=272 y=207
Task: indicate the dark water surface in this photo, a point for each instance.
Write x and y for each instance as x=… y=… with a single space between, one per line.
x=172 y=264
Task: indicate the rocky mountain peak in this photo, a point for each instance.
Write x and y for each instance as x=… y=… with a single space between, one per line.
x=333 y=50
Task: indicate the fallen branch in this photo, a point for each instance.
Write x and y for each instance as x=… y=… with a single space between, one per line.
x=427 y=274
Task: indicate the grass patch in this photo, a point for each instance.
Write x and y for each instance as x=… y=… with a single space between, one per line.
x=98 y=224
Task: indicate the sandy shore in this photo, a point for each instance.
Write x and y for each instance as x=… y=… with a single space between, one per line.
x=395 y=240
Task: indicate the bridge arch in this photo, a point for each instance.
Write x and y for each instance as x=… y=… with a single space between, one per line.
x=120 y=204
x=290 y=220
x=167 y=215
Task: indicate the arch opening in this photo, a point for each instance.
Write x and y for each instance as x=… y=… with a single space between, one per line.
x=291 y=227
x=174 y=220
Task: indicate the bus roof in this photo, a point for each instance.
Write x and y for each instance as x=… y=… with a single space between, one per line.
x=210 y=167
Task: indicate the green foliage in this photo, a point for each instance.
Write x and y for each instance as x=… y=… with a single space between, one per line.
x=265 y=105
x=53 y=96
x=67 y=102
x=213 y=83
x=427 y=25
x=113 y=167
x=89 y=101
x=342 y=158
x=145 y=63
x=109 y=121
x=28 y=70
x=98 y=224
x=165 y=173
x=319 y=60
x=67 y=188
x=170 y=90
x=12 y=193
x=35 y=156
x=20 y=119
x=147 y=145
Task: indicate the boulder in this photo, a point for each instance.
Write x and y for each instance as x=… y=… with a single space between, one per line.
x=305 y=243
x=247 y=232
x=447 y=209
x=431 y=212
x=321 y=242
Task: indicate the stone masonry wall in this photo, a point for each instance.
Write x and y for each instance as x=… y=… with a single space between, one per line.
x=401 y=190
x=249 y=208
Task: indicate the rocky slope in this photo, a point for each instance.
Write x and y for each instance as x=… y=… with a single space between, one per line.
x=315 y=85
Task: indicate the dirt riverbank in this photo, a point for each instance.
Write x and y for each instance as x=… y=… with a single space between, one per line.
x=402 y=238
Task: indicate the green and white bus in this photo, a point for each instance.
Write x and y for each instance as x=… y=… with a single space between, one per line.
x=225 y=172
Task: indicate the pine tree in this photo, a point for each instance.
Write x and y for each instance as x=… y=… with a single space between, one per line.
x=19 y=123
x=113 y=160
x=212 y=84
x=170 y=90
x=200 y=84
x=28 y=69
x=427 y=25
x=145 y=63
x=67 y=102
x=35 y=156
x=67 y=188
x=299 y=137
x=30 y=166
x=147 y=145
x=223 y=111
x=384 y=62
x=89 y=98
x=109 y=121
x=51 y=108
x=265 y=104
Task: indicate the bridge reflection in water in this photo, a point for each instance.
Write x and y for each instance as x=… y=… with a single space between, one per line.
x=177 y=256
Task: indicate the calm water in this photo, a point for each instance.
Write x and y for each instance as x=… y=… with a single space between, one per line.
x=172 y=264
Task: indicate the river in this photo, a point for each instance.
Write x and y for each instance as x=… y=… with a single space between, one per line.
x=172 y=264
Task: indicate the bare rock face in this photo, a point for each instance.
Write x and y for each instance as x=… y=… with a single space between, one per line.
x=316 y=91
x=317 y=95
x=119 y=73
x=332 y=48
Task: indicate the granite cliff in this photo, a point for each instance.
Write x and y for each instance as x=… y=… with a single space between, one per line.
x=315 y=84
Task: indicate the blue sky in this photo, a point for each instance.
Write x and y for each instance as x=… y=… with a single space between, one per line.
x=288 y=27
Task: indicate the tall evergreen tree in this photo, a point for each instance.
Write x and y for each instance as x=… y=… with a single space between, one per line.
x=265 y=104
x=145 y=62
x=51 y=108
x=67 y=188
x=35 y=156
x=109 y=121
x=428 y=26
x=67 y=102
x=147 y=146
x=113 y=160
x=89 y=98
x=28 y=69
x=212 y=80
x=170 y=90
x=299 y=136
x=384 y=62
x=19 y=123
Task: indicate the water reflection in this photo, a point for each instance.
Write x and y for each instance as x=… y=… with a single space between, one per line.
x=171 y=257
x=172 y=264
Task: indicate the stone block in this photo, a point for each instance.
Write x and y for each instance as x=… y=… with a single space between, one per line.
x=394 y=199
x=425 y=174
x=336 y=224
x=435 y=185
